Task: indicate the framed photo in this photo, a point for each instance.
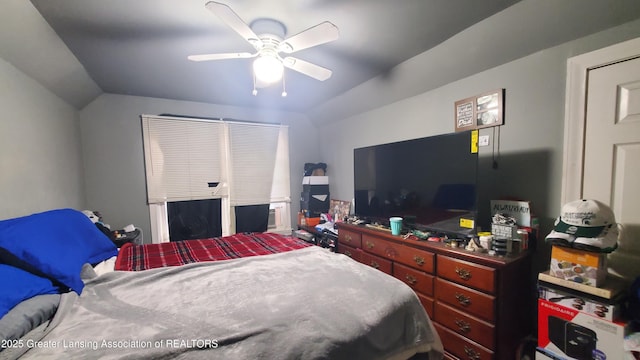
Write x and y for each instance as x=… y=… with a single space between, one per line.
x=465 y=114
x=484 y=110
x=489 y=109
x=339 y=209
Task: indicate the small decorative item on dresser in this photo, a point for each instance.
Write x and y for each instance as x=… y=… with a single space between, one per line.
x=485 y=239
x=502 y=245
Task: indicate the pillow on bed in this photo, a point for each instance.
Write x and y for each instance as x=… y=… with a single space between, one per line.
x=19 y=285
x=54 y=244
x=28 y=315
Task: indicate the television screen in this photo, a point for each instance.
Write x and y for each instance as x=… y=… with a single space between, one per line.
x=430 y=182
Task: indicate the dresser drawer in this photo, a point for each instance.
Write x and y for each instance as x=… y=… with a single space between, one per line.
x=448 y=356
x=407 y=255
x=418 y=280
x=427 y=304
x=469 y=274
x=462 y=347
x=477 y=330
x=346 y=237
x=355 y=254
x=467 y=300
x=377 y=262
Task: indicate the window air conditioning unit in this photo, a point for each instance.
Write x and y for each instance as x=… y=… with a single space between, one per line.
x=272 y=219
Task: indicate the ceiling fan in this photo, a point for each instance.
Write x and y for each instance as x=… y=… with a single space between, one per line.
x=267 y=37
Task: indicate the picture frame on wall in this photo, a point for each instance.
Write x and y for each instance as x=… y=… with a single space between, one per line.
x=481 y=111
x=465 y=114
x=489 y=109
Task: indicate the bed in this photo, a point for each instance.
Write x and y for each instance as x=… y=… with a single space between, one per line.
x=247 y=296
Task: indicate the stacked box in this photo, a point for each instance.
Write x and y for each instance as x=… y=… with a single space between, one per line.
x=580 y=266
x=610 y=310
x=567 y=333
x=315 y=199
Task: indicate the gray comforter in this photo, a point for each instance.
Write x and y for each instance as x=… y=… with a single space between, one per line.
x=302 y=304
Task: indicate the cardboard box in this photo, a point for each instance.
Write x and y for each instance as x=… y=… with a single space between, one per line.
x=312 y=221
x=591 y=305
x=573 y=334
x=580 y=266
x=314 y=204
x=315 y=189
x=315 y=180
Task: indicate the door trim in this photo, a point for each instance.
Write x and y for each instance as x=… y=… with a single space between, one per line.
x=575 y=110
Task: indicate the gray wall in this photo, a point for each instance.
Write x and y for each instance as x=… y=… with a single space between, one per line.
x=40 y=156
x=47 y=170
x=530 y=142
x=113 y=153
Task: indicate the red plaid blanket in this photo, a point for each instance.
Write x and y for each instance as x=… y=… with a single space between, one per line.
x=148 y=256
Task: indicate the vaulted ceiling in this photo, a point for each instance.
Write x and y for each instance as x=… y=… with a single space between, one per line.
x=140 y=47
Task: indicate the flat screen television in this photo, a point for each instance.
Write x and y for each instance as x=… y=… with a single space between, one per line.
x=431 y=182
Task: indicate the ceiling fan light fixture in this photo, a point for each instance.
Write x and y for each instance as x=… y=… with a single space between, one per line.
x=268 y=68
x=269 y=38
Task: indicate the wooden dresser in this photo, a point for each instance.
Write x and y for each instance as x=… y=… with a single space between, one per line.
x=479 y=304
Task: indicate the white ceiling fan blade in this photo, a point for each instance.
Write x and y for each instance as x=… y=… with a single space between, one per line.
x=307 y=68
x=319 y=34
x=222 y=56
x=234 y=21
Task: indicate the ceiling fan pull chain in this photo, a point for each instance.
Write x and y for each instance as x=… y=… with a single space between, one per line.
x=284 y=90
x=255 y=91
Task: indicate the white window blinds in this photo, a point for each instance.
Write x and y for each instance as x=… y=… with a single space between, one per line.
x=182 y=158
x=252 y=160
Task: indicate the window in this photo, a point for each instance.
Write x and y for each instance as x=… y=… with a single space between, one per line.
x=240 y=163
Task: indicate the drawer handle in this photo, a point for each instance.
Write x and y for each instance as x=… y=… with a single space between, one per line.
x=463 y=326
x=411 y=279
x=471 y=353
x=464 y=274
x=348 y=253
x=370 y=245
x=418 y=259
x=463 y=300
x=347 y=238
x=375 y=265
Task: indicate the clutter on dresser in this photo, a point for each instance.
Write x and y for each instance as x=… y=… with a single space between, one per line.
x=474 y=298
x=513 y=227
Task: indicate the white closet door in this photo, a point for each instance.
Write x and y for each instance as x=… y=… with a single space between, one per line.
x=612 y=155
